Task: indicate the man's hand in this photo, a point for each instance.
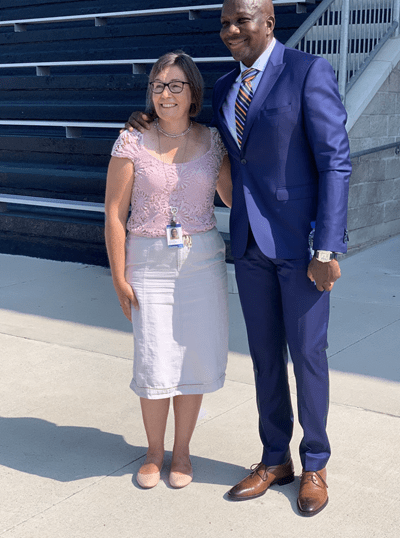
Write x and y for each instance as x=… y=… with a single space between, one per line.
x=323 y=274
x=139 y=121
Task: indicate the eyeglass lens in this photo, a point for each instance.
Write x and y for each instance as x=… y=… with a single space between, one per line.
x=175 y=86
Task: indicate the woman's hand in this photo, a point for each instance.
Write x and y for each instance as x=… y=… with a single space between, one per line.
x=139 y=121
x=126 y=297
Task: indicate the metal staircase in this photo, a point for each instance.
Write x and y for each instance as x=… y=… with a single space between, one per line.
x=348 y=33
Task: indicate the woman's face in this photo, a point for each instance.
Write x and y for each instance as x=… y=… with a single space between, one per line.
x=172 y=106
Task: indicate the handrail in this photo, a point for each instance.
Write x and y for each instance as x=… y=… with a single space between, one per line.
x=138 y=65
x=391 y=32
x=310 y=21
x=396 y=16
x=348 y=33
x=221 y=213
x=72 y=128
x=57 y=203
x=60 y=123
x=101 y=18
x=376 y=149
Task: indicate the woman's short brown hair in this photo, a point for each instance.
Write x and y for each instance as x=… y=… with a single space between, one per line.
x=192 y=73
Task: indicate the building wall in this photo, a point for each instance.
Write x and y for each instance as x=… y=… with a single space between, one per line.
x=374 y=200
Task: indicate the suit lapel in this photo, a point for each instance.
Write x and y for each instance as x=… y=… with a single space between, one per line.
x=271 y=74
x=223 y=89
x=226 y=82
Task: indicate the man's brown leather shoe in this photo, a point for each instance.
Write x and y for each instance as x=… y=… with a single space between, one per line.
x=260 y=479
x=313 y=494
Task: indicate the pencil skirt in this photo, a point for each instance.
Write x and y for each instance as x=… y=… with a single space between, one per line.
x=181 y=328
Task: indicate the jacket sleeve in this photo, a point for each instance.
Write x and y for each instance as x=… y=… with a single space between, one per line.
x=325 y=119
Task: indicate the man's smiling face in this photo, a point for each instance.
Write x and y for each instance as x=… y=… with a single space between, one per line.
x=247 y=28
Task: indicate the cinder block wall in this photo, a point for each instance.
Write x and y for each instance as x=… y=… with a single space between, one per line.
x=374 y=201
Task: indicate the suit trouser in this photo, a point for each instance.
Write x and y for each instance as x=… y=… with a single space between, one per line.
x=283 y=308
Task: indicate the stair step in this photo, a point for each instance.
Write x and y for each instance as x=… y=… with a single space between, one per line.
x=39 y=161
x=67 y=184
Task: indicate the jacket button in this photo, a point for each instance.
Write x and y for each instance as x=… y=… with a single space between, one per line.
x=243 y=161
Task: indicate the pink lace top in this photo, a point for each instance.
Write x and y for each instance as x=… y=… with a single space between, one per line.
x=158 y=186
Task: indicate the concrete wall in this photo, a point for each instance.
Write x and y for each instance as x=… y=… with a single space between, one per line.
x=374 y=201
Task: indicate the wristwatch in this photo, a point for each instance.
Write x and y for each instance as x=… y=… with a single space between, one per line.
x=325 y=255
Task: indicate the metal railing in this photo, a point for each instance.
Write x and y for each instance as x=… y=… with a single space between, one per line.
x=361 y=25
x=73 y=129
x=221 y=213
x=376 y=149
x=138 y=64
x=100 y=19
x=348 y=33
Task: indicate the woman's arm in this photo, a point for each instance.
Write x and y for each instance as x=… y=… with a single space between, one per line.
x=224 y=183
x=120 y=179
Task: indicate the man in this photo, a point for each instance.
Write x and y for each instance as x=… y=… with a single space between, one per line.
x=290 y=167
x=284 y=129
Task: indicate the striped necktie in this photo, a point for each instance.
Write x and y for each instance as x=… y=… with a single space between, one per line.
x=243 y=100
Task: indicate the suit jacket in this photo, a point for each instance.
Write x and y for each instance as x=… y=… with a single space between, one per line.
x=293 y=167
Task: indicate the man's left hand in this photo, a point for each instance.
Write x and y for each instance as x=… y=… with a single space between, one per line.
x=323 y=274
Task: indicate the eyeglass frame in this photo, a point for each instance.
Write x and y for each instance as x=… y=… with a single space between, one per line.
x=167 y=84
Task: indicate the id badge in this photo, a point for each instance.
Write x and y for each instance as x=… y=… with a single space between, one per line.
x=174 y=236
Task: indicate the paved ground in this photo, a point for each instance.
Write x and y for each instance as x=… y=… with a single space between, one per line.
x=72 y=439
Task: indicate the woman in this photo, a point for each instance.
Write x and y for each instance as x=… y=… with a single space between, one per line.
x=169 y=271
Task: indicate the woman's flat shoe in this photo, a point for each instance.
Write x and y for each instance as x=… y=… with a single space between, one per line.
x=149 y=480
x=180 y=480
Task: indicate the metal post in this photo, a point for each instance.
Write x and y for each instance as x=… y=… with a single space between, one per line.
x=193 y=15
x=396 y=15
x=73 y=132
x=138 y=69
x=43 y=71
x=344 y=45
x=100 y=21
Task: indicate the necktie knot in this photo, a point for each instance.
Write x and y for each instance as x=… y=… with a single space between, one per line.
x=249 y=74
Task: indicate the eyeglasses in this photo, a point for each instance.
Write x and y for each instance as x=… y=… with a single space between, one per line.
x=175 y=86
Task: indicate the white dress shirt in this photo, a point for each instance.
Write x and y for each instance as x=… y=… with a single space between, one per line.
x=228 y=108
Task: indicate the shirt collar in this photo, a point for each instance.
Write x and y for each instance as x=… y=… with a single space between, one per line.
x=261 y=63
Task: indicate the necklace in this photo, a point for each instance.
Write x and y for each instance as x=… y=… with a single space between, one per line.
x=159 y=147
x=170 y=135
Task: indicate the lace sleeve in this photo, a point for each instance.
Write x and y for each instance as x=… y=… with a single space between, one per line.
x=218 y=145
x=125 y=147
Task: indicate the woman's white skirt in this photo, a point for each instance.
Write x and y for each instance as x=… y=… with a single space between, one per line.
x=181 y=328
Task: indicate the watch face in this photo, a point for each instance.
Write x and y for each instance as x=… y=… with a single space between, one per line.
x=323 y=256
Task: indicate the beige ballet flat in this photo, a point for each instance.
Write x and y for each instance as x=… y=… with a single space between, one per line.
x=180 y=480
x=149 y=480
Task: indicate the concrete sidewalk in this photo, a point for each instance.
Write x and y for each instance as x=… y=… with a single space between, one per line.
x=72 y=438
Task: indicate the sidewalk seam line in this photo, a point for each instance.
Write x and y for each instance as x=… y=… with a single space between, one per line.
x=225 y=412
x=364 y=338
x=40 y=279
x=64 y=346
x=363 y=301
x=69 y=496
x=350 y=406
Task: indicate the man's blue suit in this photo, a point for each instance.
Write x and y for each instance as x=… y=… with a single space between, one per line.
x=292 y=169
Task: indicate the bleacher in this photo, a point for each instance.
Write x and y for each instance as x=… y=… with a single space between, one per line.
x=66 y=86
